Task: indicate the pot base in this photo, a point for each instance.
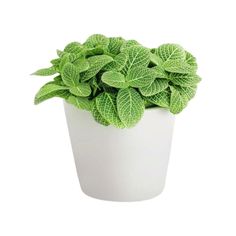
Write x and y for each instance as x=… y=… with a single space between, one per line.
x=118 y=198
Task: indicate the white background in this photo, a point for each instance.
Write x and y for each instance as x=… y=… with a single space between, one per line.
x=39 y=190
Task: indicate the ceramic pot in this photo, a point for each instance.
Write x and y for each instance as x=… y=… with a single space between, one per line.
x=121 y=164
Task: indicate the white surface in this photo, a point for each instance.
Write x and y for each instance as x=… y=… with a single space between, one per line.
x=121 y=164
x=40 y=193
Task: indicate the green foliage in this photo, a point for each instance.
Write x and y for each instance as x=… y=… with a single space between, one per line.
x=81 y=90
x=45 y=71
x=97 y=116
x=185 y=80
x=116 y=79
x=118 y=63
x=49 y=90
x=167 y=52
x=178 y=66
x=139 y=77
x=115 y=44
x=157 y=86
x=96 y=63
x=80 y=102
x=97 y=41
x=161 y=99
x=70 y=75
x=138 y=56
x=106 y=105
x=130 y=106
x=177 y=101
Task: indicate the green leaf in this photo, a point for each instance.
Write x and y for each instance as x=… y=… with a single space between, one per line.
x=49 y=90
x=155 y=59
x=45 y=71
x=170 y=52
x=155 y=87
x=114 y=79
x=190 y=59
x=130 y=106
x=140 y=77
x=55 y=62
x=138 y=56
x=70 y=75
x=178 y=66
x=184 y=80
x=81 y=64
x=188 y=92
x=160 y=72
x=58 y=79
x=73 y=47
x=118 y=63
x=106 y=105
x=115 y=44
x=81 y=90
x=94 y=51
x=161 y=99
x=97 y=40
x=177 y=101
x=60 y=53
x=128 y=43
x=63 y=60
x=81 y=103
x=96 y=63
x=97 y=116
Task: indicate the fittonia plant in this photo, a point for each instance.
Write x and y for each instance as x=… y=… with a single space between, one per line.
x=117 y=79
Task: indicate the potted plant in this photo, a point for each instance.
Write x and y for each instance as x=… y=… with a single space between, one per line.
x=120 y=99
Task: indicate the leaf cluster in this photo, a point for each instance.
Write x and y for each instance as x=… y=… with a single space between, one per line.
x=117 y=79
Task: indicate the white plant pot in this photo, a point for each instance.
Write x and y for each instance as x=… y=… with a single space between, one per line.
x=121 y=164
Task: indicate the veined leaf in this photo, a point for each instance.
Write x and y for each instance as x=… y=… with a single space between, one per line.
x=58 y=79
x=96 y=63
x=45 y=71
x=106 y=105
x=115 y=44
x=56 y=62
x=155 y=87
x=114 y=79
x=73 y=47
x=74 y=56
x=81 y=64
x=49 y=90
x=170 y=52
x=79 y=102
x=60 y=53
x=148 y=104
x=118 y=63
x=177 y=101
x=63 y=60
x=190 y=59
x=81 y=90
x=161 y=99
x=155 y=59
x=97 y=116
x=178 y=66
x=140 y=77
x=128 y=43
x=94 y=51
x=138 y=56
x=184 y=80
x=130 y=106
x=70 y=75
x=188 y=92
x=160 y=72
x=97 y=40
